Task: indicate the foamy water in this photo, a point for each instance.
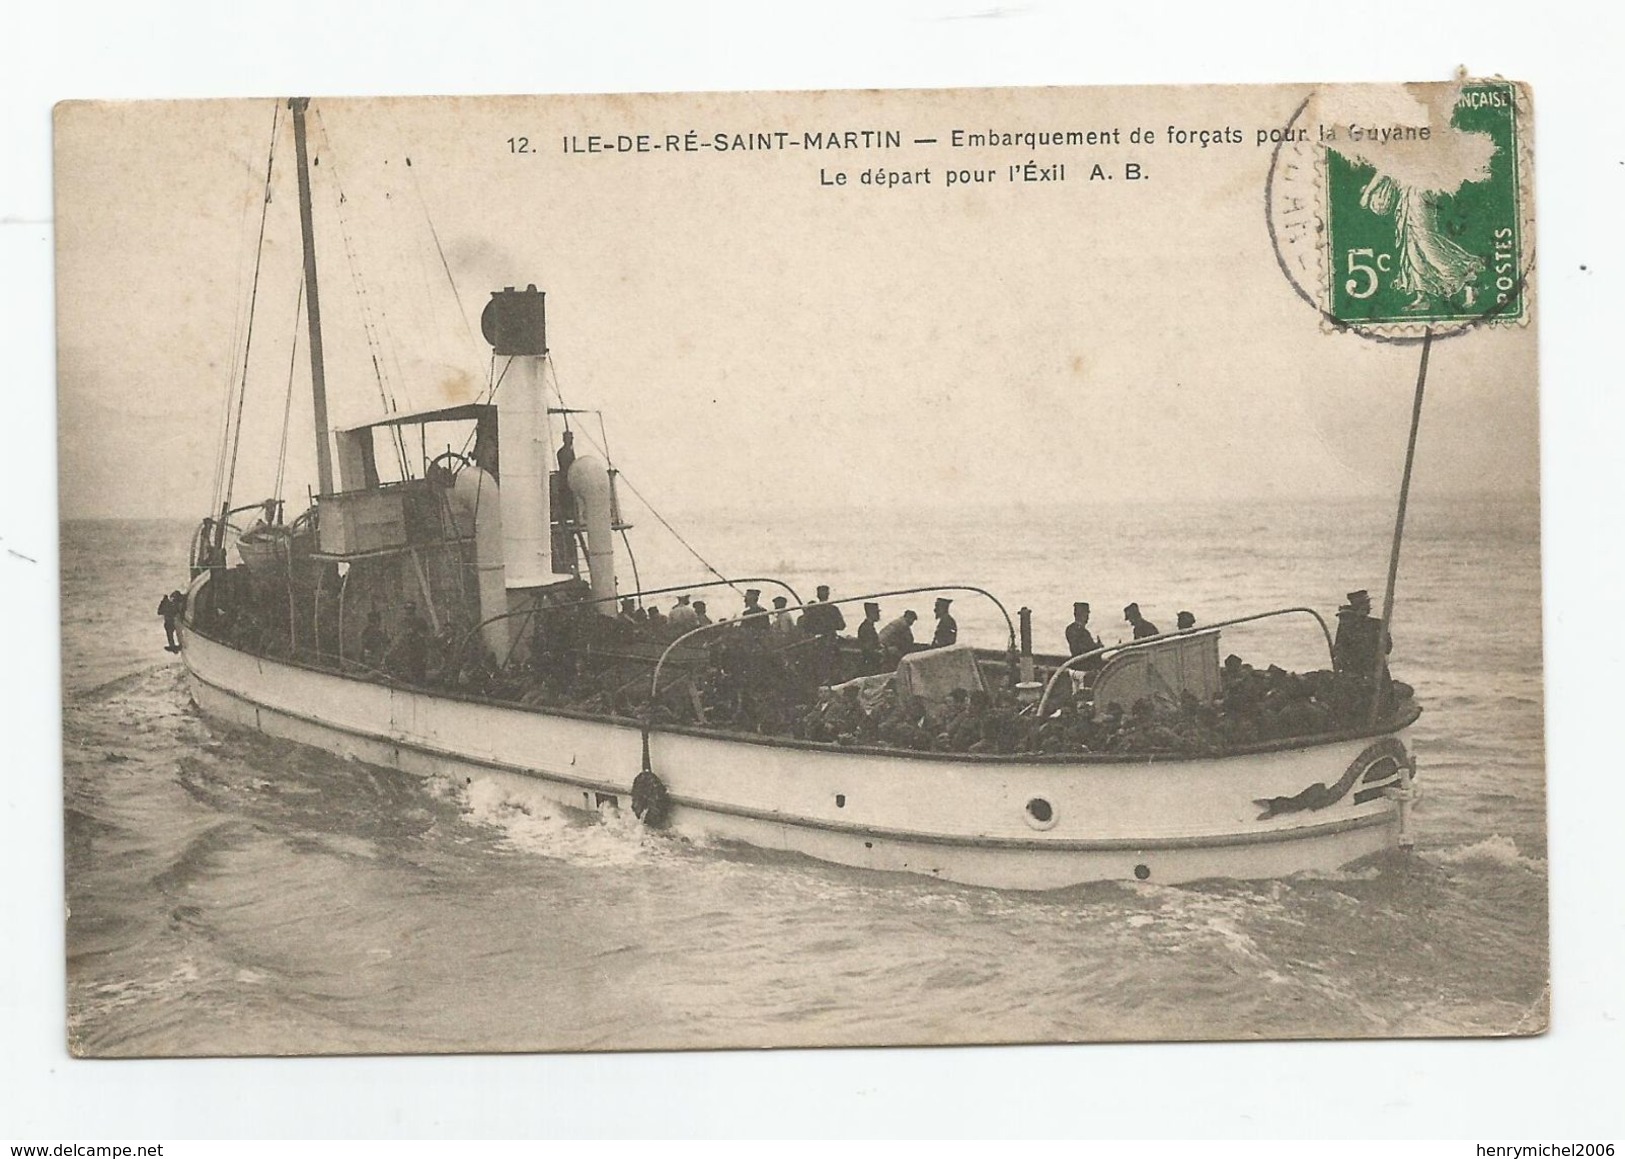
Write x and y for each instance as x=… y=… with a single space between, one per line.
x=234 y=894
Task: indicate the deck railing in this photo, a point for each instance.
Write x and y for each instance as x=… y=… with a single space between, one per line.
x=654 y=684
x=1072 y=662
x=524 y=614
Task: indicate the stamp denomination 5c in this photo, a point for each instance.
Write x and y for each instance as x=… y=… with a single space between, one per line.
x=1404 y=208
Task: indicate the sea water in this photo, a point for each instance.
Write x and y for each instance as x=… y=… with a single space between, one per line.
x=234 y=894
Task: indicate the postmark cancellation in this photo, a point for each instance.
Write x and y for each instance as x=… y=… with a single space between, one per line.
x=1396 y=210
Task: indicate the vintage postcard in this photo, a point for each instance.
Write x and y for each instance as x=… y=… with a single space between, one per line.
x=801 y=569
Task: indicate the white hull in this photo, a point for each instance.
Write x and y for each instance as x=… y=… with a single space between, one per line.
x=957 y=817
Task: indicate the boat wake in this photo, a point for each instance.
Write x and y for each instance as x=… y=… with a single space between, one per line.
x=530 y=823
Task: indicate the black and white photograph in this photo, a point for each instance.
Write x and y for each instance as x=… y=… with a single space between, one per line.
x=801 y=569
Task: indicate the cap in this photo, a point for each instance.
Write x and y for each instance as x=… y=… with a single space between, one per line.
x=871 y=607
x=752 y=594
x=943 y=601
x=1080 y=606
x=1360 y=597
x=1186 y=619
x=1130 y=611
x=779 y=601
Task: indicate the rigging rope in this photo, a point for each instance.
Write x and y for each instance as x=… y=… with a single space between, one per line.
x=417 y=187
x=677 y=535
x=489 y=397
x=603 y=450
x=388 y=346
x=287 y=402
x=368 y=327
x=440 y=250
x=253 y=298
x=231 y=361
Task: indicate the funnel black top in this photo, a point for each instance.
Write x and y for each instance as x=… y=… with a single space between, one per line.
x=515 y=321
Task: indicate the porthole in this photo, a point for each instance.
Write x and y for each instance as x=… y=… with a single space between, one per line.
x=1142 y=872
x=1040 y=814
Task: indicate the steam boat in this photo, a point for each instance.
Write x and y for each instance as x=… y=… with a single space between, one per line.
x=467 y=621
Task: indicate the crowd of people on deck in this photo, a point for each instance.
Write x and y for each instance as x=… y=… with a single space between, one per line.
x=1080 y=641
x=790 y=672
x=821 y=619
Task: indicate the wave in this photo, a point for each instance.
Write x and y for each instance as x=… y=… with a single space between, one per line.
x=129 y=682
x=1495 y=849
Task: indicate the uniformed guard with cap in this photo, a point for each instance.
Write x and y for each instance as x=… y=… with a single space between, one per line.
x=823 y=621
x=754 y=617
x=872 y=657
x=947 y=632
x=1079 y=639
x=1355 y=648
x=1142 y=626
x=823 y=618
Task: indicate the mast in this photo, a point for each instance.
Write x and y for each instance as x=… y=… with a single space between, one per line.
x=313 y=311
x=1380 y=664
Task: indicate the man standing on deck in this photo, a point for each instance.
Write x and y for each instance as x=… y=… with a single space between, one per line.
x=1079 y=639
x=947 y=632
x=1142 y=626
x=567 y=458
x=824 y=623
x=754 y=618
x=1355 y=658
x=871 y=656
x=682 y=617
x=411 y=654
x=784 y=624
x=897 y=637
x=1355 y=649
x=822 y=618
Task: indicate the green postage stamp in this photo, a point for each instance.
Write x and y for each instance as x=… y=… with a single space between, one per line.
x=1422 y=198
x=1436 y=244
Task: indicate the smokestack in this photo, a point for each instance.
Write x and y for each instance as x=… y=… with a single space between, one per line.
x=515 y=324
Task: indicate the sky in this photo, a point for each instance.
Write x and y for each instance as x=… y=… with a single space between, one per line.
x=755 y=334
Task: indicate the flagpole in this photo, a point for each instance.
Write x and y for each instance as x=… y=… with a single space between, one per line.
x=1380 y=665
